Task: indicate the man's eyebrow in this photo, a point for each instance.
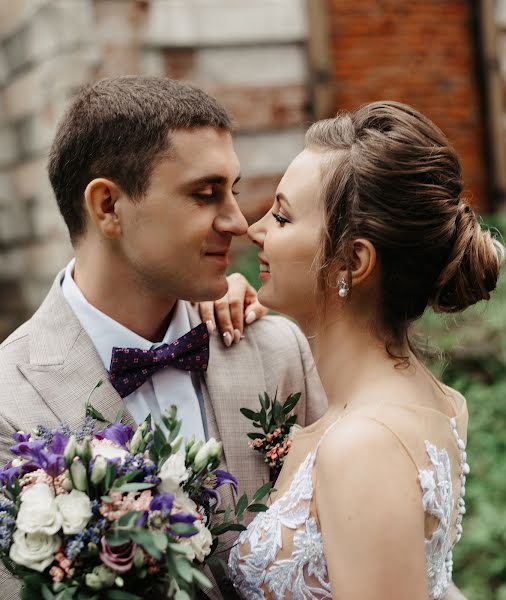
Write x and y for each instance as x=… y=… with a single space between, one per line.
x=280 y=197
x=211 y=179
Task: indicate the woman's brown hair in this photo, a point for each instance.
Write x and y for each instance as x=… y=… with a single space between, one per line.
x=393 y=178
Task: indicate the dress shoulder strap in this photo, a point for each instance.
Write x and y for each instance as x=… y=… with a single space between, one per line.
x=324 y=434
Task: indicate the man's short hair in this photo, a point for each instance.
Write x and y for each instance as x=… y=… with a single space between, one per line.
x=117 y=128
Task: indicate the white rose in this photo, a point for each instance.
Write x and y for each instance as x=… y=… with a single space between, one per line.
x=184 y=503
x=38 y=512
x=75 y=511
x=34 y=550
x=173 y=473
x=108 y=449
x=200 y=543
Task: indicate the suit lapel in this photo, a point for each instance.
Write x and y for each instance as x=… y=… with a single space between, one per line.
x=64 y=365
x=233 y=380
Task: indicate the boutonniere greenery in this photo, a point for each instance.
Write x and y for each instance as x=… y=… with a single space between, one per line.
x=275 y=421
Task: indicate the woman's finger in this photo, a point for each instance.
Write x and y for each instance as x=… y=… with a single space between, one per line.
x=254 y=311
x=225 y=327
x=206 y=310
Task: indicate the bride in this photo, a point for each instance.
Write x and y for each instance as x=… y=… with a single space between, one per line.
x=368 y=228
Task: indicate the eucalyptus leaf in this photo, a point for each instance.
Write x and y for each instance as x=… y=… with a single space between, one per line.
x=262 y=492
x=255 y=507
x=250 y=414
x=224 y=527
x=242 y=503
x=133 y=487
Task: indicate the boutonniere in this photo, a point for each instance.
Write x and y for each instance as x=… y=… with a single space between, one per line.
x=276 y=422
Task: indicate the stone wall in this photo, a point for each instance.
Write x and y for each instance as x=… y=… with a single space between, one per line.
x=250 y=55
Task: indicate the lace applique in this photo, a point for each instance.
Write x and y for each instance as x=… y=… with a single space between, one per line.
x=259 y=567
x=438 y=501
x=304 y=575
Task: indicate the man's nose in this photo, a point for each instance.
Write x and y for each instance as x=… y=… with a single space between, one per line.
x=231 y=220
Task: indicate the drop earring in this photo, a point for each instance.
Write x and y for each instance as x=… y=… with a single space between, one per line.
x=343 y=287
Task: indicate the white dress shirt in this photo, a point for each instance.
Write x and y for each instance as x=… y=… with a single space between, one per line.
x=165 y=387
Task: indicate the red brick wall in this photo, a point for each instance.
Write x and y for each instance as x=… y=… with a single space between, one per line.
x=420 y=52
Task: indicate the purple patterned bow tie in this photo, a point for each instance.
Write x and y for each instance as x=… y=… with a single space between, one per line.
x=131 y=367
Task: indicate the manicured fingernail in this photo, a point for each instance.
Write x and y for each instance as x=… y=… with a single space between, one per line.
x=210 y=327
x=227 y=338
x=250 y=317
x=237 y=336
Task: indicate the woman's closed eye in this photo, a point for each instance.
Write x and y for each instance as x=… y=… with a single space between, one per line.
x=280 y=219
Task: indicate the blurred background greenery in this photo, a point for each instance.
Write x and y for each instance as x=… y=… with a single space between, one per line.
x=468 y=352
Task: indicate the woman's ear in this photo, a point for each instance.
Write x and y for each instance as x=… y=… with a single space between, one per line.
x=100 y=197
x=363 y=260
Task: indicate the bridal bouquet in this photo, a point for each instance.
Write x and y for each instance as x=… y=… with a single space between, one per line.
x=111 y=514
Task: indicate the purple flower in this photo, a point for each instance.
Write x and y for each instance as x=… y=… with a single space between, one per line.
x=162 y=502
x=37 y=456
x=223 y=477
x=20 y=436
x=58 y=443
x=118 y=558
x=116 y=432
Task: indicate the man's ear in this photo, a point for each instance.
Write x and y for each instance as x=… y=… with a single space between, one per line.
x=363 y=260
x=100 y=197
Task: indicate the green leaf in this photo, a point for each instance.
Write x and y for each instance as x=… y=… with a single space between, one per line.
x=47 y=594
x=242 y=503
x=119 y=415
x=277 y=412
x=117 y=537
x=291 y=403
x=201 y=579
x=263 y=420
x=129 y=519
x=175 y=431
x=224 y=527
x=256 y=436
x=145 y=538
x=250 y=414
x=160 y=540
x=264 y=401
x=291 y=420
x=110 y=474
x=92 y=412
x=183 y=529
x=133 y=487
x=184 y=569
x=163 y=455
x=262 y=492
x=179 y=548
x=257 y=508
x=106 y=499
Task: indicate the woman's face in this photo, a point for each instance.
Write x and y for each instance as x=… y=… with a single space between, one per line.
x=289 y=238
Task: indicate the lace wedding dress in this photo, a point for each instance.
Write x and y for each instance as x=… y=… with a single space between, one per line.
x=281 y=554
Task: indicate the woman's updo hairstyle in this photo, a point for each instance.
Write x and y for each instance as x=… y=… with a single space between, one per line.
x=393 y=178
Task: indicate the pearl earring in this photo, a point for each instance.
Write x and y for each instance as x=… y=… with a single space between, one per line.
x=343 y=287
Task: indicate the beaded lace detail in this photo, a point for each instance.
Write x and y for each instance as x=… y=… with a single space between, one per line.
x=303 y=576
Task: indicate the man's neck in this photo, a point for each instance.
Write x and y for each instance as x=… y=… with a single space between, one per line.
x=110 y=287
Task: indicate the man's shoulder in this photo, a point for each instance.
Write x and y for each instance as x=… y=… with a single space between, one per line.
x=278 y=333
x=15 y=347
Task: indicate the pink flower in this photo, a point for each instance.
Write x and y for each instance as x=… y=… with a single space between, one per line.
x=118 y=558
x=57 y=574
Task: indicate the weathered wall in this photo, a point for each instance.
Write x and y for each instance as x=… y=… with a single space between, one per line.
x=250 y=55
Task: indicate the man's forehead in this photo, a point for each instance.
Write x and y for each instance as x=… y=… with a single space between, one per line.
x=204 y=152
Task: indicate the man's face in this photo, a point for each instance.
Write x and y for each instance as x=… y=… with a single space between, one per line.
x=176 y=239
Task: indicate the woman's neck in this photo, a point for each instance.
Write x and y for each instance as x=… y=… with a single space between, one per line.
x=350 y=360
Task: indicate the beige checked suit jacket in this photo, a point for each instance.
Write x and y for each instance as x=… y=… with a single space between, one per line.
x=49 y=365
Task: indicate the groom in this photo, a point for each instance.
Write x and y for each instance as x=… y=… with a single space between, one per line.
x=145 y=175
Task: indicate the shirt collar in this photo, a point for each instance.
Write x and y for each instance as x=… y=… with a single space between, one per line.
x=105 y=332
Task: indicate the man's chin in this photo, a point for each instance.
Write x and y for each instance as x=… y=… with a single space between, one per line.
x=210 y=293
